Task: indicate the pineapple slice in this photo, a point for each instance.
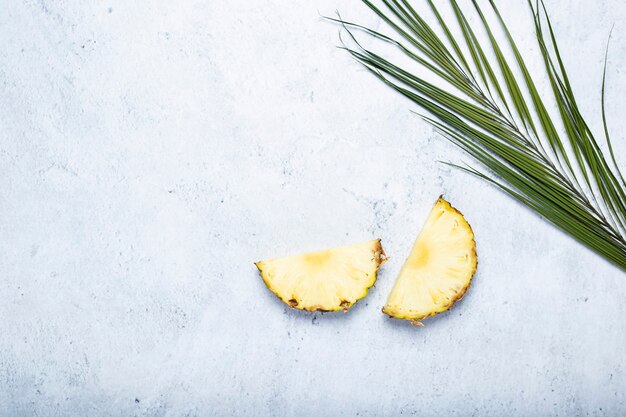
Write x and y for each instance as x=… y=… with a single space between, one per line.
x=327 y=280
x=439 y=269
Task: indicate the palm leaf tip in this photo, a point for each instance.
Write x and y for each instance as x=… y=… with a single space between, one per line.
x=500 y=118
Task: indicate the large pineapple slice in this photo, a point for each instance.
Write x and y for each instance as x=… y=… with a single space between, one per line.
x=327 y=280
x=439 y=269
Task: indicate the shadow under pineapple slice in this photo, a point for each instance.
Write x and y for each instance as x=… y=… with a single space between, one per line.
x=328 y=280
x=439 y=269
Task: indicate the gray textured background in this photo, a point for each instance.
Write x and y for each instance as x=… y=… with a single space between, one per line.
x=150 y=151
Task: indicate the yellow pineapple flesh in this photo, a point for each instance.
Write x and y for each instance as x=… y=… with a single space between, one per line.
x=439 y=269
x=328 y=280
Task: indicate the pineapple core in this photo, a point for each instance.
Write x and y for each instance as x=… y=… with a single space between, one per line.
x=328 y=280
x=439 y=269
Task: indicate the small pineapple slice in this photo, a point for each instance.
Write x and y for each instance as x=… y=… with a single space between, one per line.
x=439 y=269
x=327 y=280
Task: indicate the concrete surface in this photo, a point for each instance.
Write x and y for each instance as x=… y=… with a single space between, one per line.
x=150 y=151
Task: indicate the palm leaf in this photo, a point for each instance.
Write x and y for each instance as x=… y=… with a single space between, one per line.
x=501 y=119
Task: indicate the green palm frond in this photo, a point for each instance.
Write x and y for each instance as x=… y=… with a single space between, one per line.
x=483 y=105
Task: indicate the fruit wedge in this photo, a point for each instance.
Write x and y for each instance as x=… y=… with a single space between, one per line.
x=327 y=280
x=439 y=269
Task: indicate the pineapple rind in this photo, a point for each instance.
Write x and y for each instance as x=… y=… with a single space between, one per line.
x=401 y=312
x=377 y=257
